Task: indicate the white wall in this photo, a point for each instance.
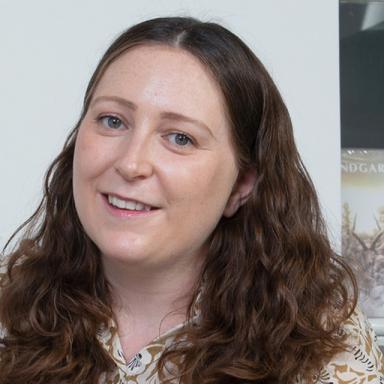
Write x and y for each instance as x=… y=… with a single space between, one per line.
x=50 y=48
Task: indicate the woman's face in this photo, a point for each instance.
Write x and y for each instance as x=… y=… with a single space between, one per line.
x=154 y=166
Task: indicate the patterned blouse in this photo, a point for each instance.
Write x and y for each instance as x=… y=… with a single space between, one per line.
x=362 y=363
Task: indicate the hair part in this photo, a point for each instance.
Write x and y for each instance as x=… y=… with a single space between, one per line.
x=274 y=293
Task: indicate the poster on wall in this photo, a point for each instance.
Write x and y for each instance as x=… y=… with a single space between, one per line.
x=363 y=223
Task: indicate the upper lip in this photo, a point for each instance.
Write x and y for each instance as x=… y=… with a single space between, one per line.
x=131 y=198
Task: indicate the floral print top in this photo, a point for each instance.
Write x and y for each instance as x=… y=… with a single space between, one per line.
x=363 y=363
x=142 y=368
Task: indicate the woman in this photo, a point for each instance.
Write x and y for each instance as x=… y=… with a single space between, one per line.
x=180 y=237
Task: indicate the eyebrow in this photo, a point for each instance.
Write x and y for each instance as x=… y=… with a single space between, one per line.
x=165 y=115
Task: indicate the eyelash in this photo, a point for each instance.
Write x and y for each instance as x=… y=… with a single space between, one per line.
x=101 y=118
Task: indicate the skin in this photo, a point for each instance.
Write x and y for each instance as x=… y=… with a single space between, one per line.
x=153 y=260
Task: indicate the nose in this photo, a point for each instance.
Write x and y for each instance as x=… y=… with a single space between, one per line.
x=134 y=158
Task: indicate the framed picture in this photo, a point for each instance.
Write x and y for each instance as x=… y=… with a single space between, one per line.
x=363 y=227
x=362 y=157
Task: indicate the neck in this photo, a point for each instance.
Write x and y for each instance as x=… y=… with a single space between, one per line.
x=153 y=299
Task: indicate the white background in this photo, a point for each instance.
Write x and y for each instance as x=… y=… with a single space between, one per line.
x=49 y=49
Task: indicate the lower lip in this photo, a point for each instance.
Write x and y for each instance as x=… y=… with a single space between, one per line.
x=118 y=212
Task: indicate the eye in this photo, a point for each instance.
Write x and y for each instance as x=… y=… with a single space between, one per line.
x=110 y=121
x=180 y=139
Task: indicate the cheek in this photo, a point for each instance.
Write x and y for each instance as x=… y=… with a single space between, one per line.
x=89 y=158
x=87 y=164
x=80 y=170
x=219 y=187
x=204 y=185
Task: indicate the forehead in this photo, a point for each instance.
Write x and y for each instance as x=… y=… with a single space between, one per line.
x=167 y=78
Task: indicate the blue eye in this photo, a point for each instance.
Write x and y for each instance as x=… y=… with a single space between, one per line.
x=111 y=122
x=181 y=139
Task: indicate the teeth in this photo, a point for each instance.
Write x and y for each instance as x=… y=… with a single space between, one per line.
x=127 y=204
x=139 y=207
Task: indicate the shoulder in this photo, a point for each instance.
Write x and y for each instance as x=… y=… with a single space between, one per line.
x=362 y=362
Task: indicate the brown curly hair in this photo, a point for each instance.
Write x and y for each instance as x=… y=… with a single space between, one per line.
x=275 y=294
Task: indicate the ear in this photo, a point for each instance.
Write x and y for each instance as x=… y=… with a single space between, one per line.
x=240 y=192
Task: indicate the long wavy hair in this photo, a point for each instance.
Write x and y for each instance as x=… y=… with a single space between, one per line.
x=275 y=294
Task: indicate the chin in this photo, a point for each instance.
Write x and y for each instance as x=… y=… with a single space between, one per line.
x=126 y=256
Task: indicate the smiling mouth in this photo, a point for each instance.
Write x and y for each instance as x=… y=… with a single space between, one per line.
x=127 y=204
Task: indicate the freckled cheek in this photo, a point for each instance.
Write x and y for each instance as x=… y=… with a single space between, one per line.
x=220 y=184
x=202 y=185
x=91 y=157
x=183 y=176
